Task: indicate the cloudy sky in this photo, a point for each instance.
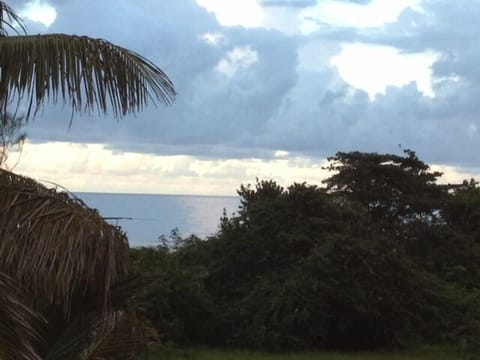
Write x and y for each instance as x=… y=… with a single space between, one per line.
x=267 y=89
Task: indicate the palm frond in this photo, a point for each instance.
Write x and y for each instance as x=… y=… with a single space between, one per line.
x=126 y=336
x=118 y=334
x=56 y=246
x=89 y=74
x=18 y=336
x=8 y=19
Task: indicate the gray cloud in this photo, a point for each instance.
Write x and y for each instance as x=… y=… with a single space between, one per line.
x=275 y=103
x=211 y=107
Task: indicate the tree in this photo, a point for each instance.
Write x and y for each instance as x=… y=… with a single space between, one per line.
x=303 y=267
x=463 y=208
x=65 y=290
x=397 y=190
x=297 y=270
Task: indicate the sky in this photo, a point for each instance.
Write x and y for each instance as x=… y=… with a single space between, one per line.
x=267 y=89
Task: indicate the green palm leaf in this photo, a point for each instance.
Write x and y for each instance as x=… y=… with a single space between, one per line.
x=89 y=74
x=8 y=19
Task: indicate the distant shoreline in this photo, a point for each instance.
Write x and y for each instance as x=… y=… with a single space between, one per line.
x=153 y=194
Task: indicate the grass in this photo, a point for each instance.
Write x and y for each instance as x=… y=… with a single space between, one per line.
x=426 y=353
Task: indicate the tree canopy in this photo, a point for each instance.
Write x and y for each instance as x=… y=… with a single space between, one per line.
x=382 y=256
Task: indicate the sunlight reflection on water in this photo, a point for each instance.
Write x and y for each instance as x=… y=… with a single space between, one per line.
x=145 y=217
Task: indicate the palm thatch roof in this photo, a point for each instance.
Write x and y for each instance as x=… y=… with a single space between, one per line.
x=55 y=245
x=18 y=331
x=78 y=300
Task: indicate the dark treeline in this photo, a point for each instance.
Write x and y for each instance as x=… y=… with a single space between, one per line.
x=381 y=256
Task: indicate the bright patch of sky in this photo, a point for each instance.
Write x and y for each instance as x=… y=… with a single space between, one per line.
x=251 y=13
x=281 y=153
x=144 y=173
x=373 y=68
x=248 y=13
x=39 y=11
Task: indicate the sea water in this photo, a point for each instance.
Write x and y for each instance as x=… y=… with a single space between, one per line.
x=145 y=217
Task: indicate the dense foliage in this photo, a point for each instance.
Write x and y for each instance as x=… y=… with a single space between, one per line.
x=382 y=256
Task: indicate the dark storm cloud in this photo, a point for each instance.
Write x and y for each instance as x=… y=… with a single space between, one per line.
x=274 y=103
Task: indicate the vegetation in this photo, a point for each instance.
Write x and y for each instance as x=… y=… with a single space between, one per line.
x=65 y=291
x=382 y=257
x=427 y=353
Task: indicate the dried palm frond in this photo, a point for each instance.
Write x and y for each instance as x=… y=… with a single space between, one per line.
x=125 y=337
x=56 y=246
x=87 y=73
x=118 y=334
x=8 y=19
x=114 y=335
x=18 y=335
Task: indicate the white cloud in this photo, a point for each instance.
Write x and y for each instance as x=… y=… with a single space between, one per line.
x=340 y=13
x=247 y=13
x=455 y=175
x=97 y=168
x=281 y=153
x=373 y=68
x=239 y=57
x=39 y=11
x=254 y=14
x=213 y=38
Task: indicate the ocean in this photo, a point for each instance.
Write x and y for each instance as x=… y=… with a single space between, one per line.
x=145 y=217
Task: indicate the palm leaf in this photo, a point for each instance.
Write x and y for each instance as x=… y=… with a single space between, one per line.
x=8 y=19
x=117 y=334
x=125 y=337
x=56 y=246
x=89 y=74
x=18 y=335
